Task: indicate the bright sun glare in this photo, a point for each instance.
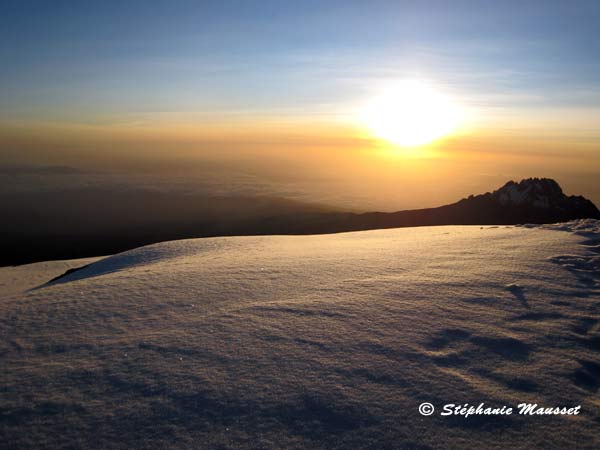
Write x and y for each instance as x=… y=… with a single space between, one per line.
x=411 y=114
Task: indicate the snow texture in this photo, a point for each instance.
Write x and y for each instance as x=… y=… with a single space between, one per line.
x=327 y=341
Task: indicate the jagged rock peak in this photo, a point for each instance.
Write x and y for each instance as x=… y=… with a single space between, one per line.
x=538 y=192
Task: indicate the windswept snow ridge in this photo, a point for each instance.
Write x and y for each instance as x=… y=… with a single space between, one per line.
x=582 y=227
x=586 y=267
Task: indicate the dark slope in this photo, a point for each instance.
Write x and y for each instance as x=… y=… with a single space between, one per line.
x=533 y=200
x=124 y=223
x=530 y=201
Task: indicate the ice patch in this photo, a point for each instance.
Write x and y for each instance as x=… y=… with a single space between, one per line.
x=512 y=195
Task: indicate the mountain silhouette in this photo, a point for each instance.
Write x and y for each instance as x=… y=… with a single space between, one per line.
x=533 y=200
x=109 y=227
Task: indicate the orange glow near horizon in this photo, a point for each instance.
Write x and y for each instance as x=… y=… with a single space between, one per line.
x=333 y=161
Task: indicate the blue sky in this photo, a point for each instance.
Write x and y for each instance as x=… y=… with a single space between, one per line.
x=92 y=82
x=100 y=61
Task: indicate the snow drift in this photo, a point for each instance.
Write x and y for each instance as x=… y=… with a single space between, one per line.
x=329 y=341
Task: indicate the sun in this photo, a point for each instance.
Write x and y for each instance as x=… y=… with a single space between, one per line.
x=411 y=114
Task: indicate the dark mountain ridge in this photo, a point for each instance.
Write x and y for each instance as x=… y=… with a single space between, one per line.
x=40 y=231
x=533 y=200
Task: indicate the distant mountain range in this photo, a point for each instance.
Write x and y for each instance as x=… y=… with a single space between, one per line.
x=52 y=226
x=533 y=200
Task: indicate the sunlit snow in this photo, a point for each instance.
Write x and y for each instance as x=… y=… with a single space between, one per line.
x=315 y=341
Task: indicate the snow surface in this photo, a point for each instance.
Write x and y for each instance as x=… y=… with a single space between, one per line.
x=18 y=279
x=327 y=341
x=512 y=195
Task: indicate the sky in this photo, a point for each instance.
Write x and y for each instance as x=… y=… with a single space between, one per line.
x=281 y=85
